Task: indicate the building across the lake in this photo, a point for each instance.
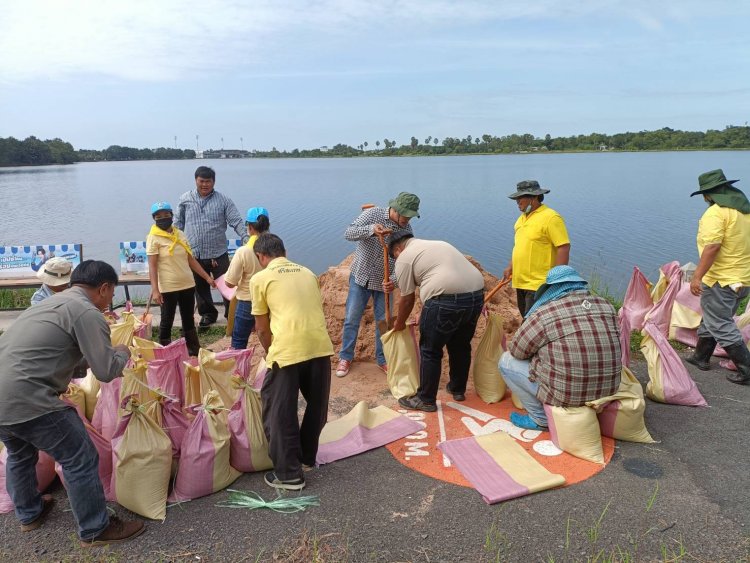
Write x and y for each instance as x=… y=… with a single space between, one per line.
x=223 y=153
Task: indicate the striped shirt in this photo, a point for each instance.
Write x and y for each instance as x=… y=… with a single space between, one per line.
x=574 y=346
x=368 y=267
x=204 y=220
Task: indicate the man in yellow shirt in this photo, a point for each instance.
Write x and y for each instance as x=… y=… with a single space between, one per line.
x=291 y=328
x=541 y=243
x=722 y=278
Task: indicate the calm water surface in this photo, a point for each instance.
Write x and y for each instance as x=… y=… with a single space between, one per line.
x=621 y=209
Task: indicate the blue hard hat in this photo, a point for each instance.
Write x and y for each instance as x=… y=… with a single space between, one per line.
x=160 y=206
x=254 y=212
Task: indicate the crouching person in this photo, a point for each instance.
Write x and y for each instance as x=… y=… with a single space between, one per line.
x=41 y=352
x=292 y=329
x=566 y=352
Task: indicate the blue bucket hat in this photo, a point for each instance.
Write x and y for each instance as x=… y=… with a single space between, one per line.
x=562 y=274
x=254 y=212
x=160 y=206
x=561 y=280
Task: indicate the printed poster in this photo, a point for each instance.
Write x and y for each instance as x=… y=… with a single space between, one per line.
x=26 y=261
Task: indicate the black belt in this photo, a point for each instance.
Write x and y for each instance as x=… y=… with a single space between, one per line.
x=457 y=296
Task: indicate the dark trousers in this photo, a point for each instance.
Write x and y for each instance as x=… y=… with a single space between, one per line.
x=185 y=300
x=447 y=321
x=525 y=299
x=216 y=267
x=62 y=435
x=289 y=444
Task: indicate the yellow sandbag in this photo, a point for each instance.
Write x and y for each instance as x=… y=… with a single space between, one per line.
x=144 y=348
x=576 y=430
x=488 y=382
x=660 y=287
x=122 y=331
x=192 y=384
x=248 y=443
x=134 y=383
x=75 y=397
x=216 y=375
x=142 y=456
x=517 y=402
x=621 y=415
x=402 y=356
x=90 y=387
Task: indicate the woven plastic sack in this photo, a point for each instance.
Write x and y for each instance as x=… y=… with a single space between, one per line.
x=142 y=462
x=90 y=386
x=76 y=398
x=517 y=402
x=122 y=331
x=402 y=355
x=576 y=430
x=488 y=382
x=621 y=414
x=106 y=412
x=204 y=464
x=260 y=374
x=45 y=474
x=632 y=314
x=248 y=443
x=242 y=360
x=192 y=383
x=134 y=384
x=104 y=449
x=167 y=376
x=216 y=375
x=144 y=348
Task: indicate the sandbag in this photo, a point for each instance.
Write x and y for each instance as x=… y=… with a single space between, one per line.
x=106 y=412
x=621 y=414
x=488 y=382
x=632 y=314
x=144 y=348
x=75 y=397
x=517 y=402
x=45 y=474
x=142 y=461
x=248 y=443
x=122 y=331
x=216 y=375
x=204 y=464
x=90 y=386
x=192 y=384
x=104 y=449
x=576 y=430
x=242 y=360
x=134 y=384
x=260 y=374
x=402 y=355
x=166 y=375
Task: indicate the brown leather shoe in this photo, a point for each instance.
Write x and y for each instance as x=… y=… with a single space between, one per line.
x=47 y=503
x=118 y=531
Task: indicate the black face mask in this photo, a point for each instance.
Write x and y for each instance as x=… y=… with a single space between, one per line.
x=164 y=223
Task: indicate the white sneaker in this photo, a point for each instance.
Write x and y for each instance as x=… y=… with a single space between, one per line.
x=343 y=368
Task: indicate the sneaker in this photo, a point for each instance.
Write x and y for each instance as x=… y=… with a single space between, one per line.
x=206 y=321
x=47 y=503
x=290 y=485
x=414 y=403
x=525 y=421
x=343 y=368
x=384 y=367
x=118 y=531
x=458 y=397
x=307 y=468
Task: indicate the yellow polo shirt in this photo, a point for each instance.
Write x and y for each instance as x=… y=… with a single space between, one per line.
x=731 y=229
x=291 y=295
x=244 y=265
x=174 y=270
x=538 y=234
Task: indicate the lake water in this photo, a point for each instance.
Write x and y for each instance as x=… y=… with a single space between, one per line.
x=621 y=209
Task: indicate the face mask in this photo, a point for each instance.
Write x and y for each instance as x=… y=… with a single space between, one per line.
x=527 y=209
x=164 y=224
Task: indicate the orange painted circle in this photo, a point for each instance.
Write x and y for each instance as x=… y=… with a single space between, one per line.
x=474 y=417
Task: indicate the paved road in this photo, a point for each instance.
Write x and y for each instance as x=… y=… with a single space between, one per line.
x=687 y=495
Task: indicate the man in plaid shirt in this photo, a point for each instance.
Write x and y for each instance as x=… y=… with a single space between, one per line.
x=368 y=271
x=566 y=352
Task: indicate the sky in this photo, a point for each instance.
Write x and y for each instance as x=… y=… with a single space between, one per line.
x=309 y=73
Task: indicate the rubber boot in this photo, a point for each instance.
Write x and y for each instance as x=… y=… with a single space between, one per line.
x=740 y=355
x=704 y=349
x=192 y=342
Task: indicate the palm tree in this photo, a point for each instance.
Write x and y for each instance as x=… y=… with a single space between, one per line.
x=377 y=144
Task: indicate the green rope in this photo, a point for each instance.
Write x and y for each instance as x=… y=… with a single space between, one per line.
x=252 y=500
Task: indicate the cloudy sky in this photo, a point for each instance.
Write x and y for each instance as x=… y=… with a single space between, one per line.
x=307 y=73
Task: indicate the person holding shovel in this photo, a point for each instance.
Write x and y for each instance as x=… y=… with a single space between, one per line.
x=368 y=271
x=541 y=242
x=452 y=293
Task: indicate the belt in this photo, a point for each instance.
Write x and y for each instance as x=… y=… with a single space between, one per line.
x=458 y=296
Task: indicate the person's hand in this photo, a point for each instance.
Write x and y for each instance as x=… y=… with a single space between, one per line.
x=379 y=229
x=389 y=286
x=507 y=272
x=157 y=297
x=210 y=281
x=122 y=348
x=695 y=286
x=399 y=325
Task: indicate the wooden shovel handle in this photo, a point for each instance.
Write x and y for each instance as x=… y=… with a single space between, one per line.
x=499 y=286
x=147 y=311
x=386 y=277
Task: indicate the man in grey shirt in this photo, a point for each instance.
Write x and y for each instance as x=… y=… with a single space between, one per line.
x=204 y=214
x=452 y=293
x=40 y=353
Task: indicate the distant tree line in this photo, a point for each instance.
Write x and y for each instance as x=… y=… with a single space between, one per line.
x=32 y=151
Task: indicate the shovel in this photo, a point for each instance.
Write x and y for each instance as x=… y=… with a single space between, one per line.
x=384 y=326
x=497 y=288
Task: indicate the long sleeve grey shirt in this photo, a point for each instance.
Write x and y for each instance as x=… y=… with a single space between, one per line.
x=42 y=351
x=204 y=221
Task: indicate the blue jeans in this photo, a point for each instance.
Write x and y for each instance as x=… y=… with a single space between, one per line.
x=447 y=321
x=356 y=302
x=516 y=375
x=244 y=323
x=60 y=434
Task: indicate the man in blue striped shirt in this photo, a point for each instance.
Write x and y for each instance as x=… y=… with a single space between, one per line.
x=204 y=214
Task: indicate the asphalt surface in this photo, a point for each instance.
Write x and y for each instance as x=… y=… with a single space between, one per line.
x=686 y=497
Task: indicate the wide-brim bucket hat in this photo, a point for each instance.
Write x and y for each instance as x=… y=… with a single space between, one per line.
x=55 y=271
x=712 y=180
x=527 y=188
x=562 y=274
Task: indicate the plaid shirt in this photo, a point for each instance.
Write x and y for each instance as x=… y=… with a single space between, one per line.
x=368 y=266
x=204 y=221
x=574 y=346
